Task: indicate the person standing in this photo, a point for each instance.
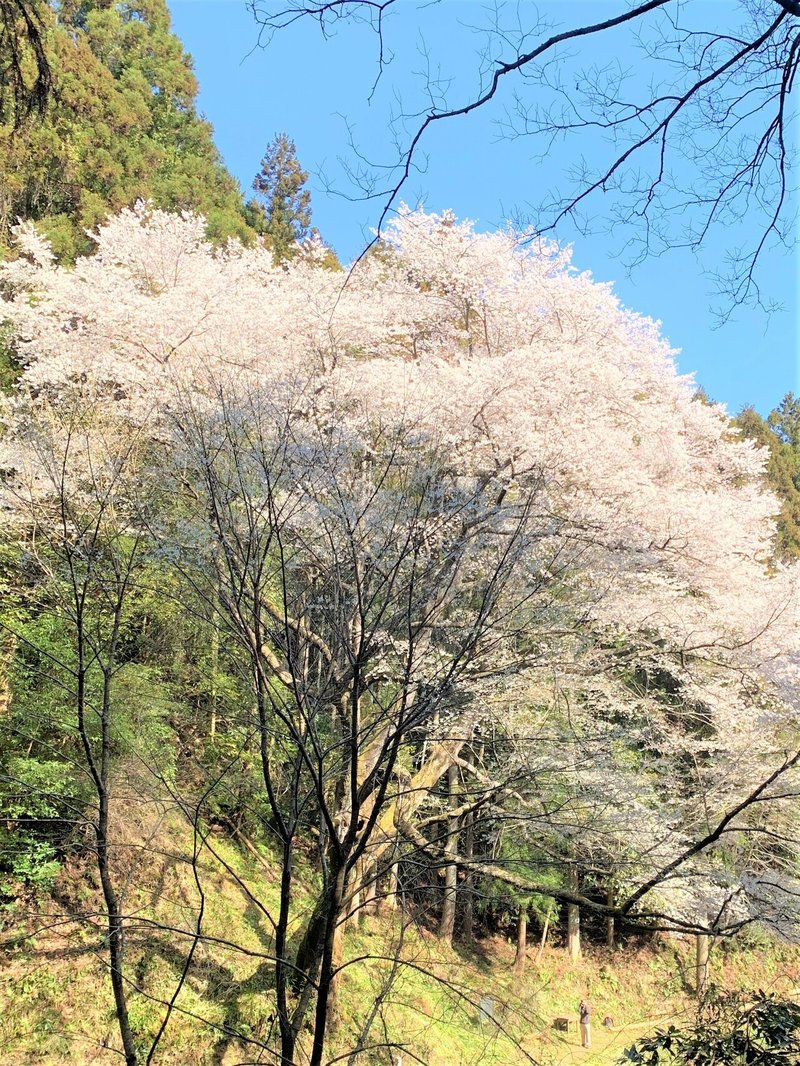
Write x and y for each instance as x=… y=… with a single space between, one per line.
x=586 y=1023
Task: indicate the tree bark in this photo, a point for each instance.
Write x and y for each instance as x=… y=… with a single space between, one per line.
x=414 y=793
x=522 y=939
x=370 y=889
x=610 y=928
x=354 y=906
x=388 y=900
x=475 y=758
x=448 y=920
x=327 y=1008
x=99 y=771
x=542 y=942
x=701 y=965
x=394 y=881
x=337 y=957
x=573 y=917
x=116 y=938
x=468 y=931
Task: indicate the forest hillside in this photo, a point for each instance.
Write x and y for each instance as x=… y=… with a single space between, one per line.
x=57 y=1004
x=391 y=657
x=120 y=124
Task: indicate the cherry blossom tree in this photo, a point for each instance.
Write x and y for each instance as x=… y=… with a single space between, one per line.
x=460 y=483
x=368 y=583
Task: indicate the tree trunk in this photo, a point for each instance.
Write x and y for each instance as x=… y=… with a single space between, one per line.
x=542 y=942
x=116 y=944
x=610 y=930
x=388 y=901
x=701 y=966
x=99 y=770
x=370 y=889
x=475 y=757
x=354 y=907
x=414 y=793
x=448 y=920
x=573 y=917
x=522 y=939
x=213 y=695
x=469 y=880
x=337 y=957
x=326 y=1016
x=356 y=910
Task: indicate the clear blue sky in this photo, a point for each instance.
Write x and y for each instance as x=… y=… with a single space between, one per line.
x=316 y=90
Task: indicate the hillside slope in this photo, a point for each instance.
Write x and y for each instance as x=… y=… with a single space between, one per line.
x=56 y=1004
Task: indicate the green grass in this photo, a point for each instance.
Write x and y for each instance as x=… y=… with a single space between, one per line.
x=56 y=1006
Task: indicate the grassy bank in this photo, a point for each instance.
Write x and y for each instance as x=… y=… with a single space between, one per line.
x=56 y=1007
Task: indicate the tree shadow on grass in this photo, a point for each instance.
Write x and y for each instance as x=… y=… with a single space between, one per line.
x=475 y=953
x=686 y=974
x=156 y=957
x=216 y=983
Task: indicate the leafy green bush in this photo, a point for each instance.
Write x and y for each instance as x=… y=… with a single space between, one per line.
x=731 y=1030
x=39 y=803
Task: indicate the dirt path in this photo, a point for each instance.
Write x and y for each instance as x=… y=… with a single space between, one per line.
x=607 y=1047
x=607 y=1044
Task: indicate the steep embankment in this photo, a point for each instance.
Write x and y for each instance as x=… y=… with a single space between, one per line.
x=51 y=1010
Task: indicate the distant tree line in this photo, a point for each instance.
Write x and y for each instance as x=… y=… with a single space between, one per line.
x=779 y=434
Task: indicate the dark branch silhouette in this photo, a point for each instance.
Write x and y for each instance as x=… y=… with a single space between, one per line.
x=704 y=145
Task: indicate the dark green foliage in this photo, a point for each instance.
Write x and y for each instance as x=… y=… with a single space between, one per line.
x=785 y=421
x=23 y=91
x=780 y=435
x=45 y=791
x=41 y=803
x=512 y=849
x=42 y=796
x=734 y=1030
x=283 y=210
x=120 y=125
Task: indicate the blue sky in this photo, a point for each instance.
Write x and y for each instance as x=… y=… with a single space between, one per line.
x=317 y=90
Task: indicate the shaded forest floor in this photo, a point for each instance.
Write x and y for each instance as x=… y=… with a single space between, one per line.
x=56 y=1007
